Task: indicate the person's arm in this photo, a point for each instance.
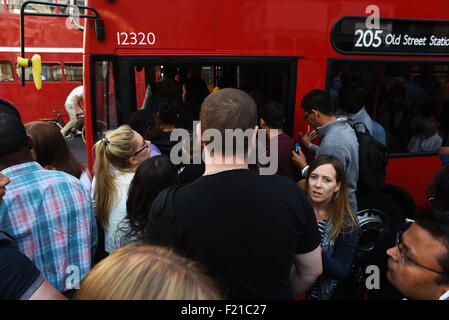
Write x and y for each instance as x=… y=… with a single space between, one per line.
x=302 y=184
x=313 y=148
x=47 y=292
x=307 y=268
x=443 y=151
x=299 y=159
x=20 y=279
x=338 y=265
x=308 y=137
x=77 y=103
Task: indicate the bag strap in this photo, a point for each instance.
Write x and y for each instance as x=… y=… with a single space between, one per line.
x=354 y=126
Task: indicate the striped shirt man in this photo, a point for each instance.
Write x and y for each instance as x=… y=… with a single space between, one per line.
x=49 y=214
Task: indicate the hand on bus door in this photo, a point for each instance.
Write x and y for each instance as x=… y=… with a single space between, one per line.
x=308 y=137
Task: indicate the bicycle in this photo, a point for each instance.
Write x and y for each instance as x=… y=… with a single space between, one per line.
x=78 y=129
x=100 y=129
x=59 y=120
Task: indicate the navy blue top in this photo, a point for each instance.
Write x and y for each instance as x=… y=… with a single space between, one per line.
x=339 y=264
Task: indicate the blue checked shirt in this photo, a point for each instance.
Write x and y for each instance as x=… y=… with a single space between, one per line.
x=49 y=214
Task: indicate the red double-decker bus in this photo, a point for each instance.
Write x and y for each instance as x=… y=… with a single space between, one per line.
x=60 y=46
x=398 y=52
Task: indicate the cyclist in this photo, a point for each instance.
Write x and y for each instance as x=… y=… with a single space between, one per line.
x=74 y=107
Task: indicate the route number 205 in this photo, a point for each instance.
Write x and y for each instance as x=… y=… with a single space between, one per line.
x=132 y=38
x=368 y=38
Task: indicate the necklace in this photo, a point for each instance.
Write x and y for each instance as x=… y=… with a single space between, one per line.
x=208 y=173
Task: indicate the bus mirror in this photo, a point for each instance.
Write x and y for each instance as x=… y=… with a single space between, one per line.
x=36 y=66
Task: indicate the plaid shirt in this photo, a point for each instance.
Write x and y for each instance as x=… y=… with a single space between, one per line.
x=50 y=216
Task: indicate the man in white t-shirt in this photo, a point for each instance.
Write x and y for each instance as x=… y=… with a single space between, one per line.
x=74 y=106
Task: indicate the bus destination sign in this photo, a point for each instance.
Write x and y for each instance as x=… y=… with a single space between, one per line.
x=350 y=35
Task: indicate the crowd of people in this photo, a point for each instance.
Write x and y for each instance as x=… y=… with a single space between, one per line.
x=146 y=228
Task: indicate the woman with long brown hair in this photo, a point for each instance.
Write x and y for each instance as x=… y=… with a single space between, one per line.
x=51 y=151
x=328 y=193
x=117 y=157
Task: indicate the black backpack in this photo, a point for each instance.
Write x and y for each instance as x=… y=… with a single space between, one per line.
x=373 y=160
x=162 y=215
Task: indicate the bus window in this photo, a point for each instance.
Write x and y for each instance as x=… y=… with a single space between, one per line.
x=50 y=72
x=14 y=7
x=6 y=74
x=208 y=76
x=409 y=102
x=77 y=2
x=73 y=71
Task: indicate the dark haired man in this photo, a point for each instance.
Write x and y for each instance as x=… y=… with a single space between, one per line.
x=272 y=117
x=255 y=234
x=7 y=107
x=48 y=213
x=352 y=106
x=146 y=123
x=168 y=115
x=419 y=263
x=337 y=138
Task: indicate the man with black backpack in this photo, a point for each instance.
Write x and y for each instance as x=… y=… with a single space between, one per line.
x=373 y=154
x=337 y=138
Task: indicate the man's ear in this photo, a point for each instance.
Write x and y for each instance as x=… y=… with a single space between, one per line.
x=316 y=114
x=262 y=123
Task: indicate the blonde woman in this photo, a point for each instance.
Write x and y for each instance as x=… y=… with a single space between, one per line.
x=147 y=272
x=117 y=157
x=328 y=193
